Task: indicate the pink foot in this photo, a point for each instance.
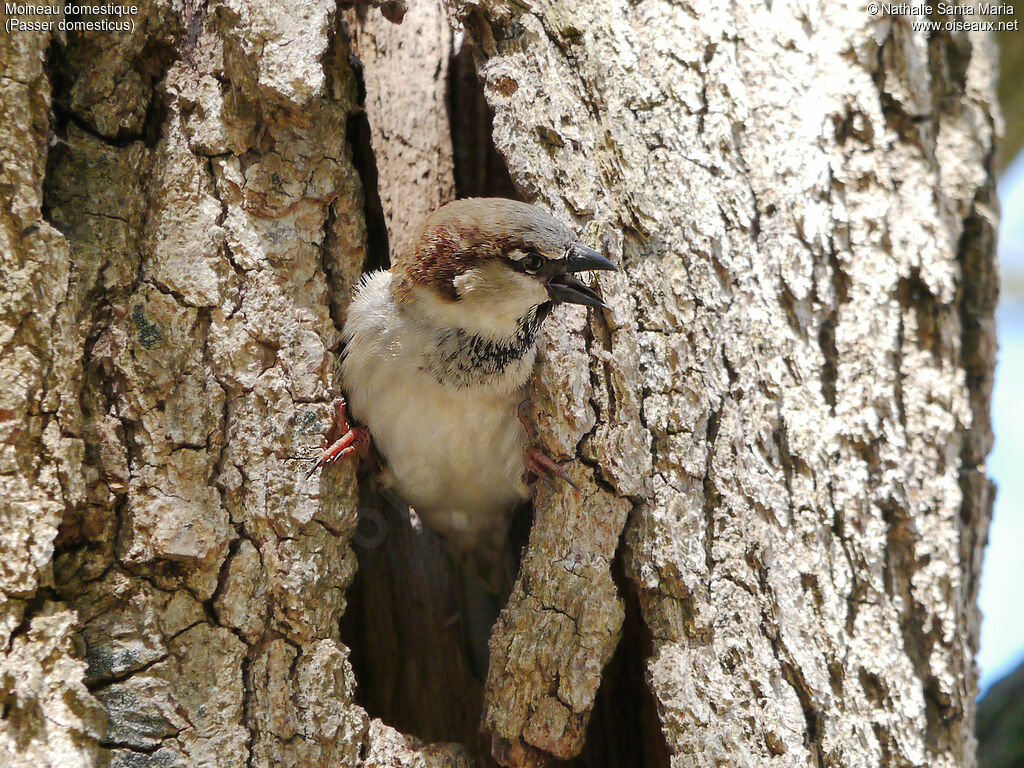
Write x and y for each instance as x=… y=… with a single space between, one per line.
x=539 y=463
x=523 y=412
x=353 y=439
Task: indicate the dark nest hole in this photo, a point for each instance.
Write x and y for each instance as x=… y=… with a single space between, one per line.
x=404 y=618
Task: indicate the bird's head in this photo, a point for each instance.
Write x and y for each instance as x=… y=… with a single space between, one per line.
x=483 y=264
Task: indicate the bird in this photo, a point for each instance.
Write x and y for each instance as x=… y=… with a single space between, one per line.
x=438 y=353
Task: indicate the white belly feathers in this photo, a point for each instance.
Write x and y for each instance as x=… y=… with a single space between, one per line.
x=455 y=453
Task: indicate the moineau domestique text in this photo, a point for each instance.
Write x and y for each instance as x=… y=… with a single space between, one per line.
x=13 y=9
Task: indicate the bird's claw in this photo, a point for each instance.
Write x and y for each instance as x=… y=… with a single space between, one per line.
x=539 y=463
x=523 y=412
x=352 y=440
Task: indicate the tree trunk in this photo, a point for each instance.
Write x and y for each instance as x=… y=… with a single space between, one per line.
x=778 y=429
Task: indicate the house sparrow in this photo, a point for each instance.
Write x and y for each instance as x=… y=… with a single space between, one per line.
x=438 y=354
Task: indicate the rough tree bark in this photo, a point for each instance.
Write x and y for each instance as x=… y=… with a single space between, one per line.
x=778 y=429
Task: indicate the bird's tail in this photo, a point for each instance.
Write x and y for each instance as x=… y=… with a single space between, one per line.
x=487 y=586
x=480 y=612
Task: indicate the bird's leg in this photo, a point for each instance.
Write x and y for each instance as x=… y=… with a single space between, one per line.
x=523 y=412
x=536 y=461
x=539 y=463
x=353 y=439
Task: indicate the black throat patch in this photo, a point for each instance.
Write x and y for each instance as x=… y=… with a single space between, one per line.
x=462 y=359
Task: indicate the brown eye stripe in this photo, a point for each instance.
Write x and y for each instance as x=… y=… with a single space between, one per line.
x=443 y=257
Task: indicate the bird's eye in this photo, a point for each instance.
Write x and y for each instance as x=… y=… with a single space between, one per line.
x=532 y=261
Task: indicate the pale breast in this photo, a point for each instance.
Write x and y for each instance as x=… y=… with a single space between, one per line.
x=456 y=454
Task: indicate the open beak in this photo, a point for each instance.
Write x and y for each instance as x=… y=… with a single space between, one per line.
x=564 y=287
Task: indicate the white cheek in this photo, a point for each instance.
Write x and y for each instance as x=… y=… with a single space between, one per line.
x=469 y=282
x=527 y=291
x=494 y=300
x=502 y=290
